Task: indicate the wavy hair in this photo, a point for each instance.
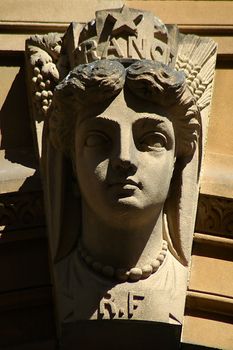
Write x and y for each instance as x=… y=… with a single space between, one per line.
x=100 y=81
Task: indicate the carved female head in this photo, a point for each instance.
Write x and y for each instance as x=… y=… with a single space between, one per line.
x=124 y=129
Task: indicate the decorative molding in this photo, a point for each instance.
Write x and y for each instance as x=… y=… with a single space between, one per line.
x=28 y=298
x=215 y=215
x=52 y=11
x=209 y=302
x=213 y=240
x=23 y=234
x=45 y=27
x=21 y=210
x=187 y=12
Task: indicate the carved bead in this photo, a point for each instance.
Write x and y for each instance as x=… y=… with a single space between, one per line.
x=160 y=257
x=38 y=95
x=42 y=85
x=163 y=252
x=97 y=266
x=34 y=80
x=45 y=108
x=39 y=77
x=108 y=271
x=44 y=93
x=47 y=83
x=36 y=70
x=155 y=265
x=135 y=274
x=146 y=271
x=88 y=259
x=122 y=274
x=45 y=102
x=50 y=94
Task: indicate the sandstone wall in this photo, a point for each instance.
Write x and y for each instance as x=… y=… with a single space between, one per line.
x=26 y=294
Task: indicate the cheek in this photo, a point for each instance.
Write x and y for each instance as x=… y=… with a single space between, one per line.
x=158 y=172
x=91 y=168
x=89 y=172
x=101 y=170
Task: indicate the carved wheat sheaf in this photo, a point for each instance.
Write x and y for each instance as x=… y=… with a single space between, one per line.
x=196 y=57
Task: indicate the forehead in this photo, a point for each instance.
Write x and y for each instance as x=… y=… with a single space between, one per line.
x=126 y=110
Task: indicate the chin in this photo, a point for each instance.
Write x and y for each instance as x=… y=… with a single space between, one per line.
x=127 y=205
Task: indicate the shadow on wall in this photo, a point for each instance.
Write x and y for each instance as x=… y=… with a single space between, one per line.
x=26 y=311
x=18 y=161
x=16 y=133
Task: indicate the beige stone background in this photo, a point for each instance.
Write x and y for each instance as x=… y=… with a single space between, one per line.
x=26 y=311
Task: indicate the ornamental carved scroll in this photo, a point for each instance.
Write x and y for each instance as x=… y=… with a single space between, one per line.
x=125 y=100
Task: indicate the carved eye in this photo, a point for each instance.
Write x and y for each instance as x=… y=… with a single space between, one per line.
x=96 y=139
x=153 y=141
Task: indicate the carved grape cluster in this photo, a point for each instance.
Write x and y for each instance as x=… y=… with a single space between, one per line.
x=43 y=90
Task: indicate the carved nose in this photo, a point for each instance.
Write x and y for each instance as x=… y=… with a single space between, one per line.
x=125 y=154
x=125 y=158
x=123 y=164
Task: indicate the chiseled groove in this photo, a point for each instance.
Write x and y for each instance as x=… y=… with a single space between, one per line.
x=213 y=240
x=210 y=29
x=23 y=234
x=211 y=303
x=11 y=26
x=28 y=297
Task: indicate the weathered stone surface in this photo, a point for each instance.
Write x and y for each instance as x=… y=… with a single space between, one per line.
x=44 y=11
x=128 y=98
x=197 y=328
x=215 y=262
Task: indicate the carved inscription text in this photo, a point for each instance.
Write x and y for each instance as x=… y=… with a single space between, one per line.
x=109 y=309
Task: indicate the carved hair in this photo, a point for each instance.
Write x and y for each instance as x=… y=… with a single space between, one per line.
x=102 y=80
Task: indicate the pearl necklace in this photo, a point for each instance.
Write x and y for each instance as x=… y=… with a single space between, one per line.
x=133 y=275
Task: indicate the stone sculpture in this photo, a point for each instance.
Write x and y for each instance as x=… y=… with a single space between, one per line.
x=126 y=109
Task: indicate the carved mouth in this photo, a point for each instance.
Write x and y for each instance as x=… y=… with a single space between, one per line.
x=126 y=184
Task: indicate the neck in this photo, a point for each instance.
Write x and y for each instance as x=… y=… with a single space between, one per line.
x=124 y=243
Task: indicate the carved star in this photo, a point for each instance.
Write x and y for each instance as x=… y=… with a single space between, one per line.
x=124 y=21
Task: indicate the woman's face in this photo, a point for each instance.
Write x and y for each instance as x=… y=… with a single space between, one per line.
x=124 y=158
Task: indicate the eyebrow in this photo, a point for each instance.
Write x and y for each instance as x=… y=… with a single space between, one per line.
x=96 y=120
x=92 y=119
x=155 y=119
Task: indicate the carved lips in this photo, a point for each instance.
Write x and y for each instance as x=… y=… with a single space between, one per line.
x=126 y=184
